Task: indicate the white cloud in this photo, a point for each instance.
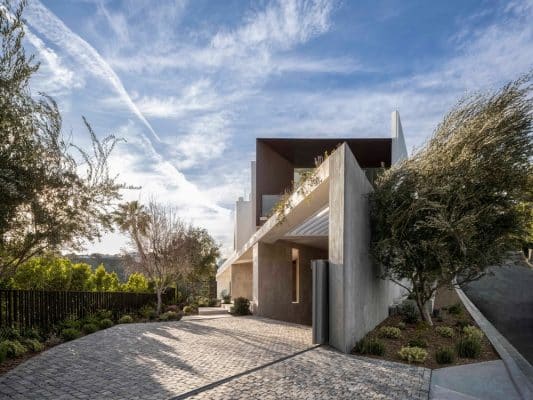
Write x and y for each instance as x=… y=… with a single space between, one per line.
x=89 y=61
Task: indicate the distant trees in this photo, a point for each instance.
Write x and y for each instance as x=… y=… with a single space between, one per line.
x=453 y=208
x=49 y=199
x=51 y=272
x=167 y=250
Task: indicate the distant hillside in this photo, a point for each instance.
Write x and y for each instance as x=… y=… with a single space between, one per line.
x=112 y=262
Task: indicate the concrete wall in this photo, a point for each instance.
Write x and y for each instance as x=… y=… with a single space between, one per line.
x=243 y=223
x=274 y=175
x=224 y=282
x=241 y=280
x=272 y=281
x=359 y=299
x=398 y=147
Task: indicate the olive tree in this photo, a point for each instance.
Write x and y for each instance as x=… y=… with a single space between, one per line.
x=53 y=195
x=450 y=211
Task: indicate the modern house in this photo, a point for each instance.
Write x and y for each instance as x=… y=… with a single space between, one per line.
x=326 y=219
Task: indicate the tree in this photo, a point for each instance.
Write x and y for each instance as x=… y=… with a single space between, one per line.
x=48 y=197
x=81 y=278
x=137 y=283
x=203 y=253
x=103 y=281
x=160 y=238
x=451 y=210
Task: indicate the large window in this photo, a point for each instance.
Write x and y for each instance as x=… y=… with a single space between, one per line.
x=295 y=276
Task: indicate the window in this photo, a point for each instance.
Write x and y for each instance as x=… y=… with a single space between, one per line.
x=295 y=276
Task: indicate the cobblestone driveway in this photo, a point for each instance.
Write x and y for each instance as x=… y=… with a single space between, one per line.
x=165 y=360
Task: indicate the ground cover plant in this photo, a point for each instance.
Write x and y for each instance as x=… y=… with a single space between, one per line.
x=453 y=340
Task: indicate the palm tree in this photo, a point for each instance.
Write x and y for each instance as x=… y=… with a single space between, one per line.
x=132 y=218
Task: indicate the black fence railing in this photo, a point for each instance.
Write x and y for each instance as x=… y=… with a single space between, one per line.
x=42 y=309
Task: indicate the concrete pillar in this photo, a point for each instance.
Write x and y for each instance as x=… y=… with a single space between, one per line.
x=359 y=299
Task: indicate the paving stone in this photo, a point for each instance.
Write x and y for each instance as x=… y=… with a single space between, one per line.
x=163 y=360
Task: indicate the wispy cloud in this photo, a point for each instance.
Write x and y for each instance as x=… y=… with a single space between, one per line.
x=44 y=22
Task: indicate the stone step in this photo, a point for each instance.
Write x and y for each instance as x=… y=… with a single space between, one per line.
x=211 y=310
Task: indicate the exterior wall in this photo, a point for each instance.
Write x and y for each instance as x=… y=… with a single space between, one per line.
x=398 y=148
x=272 y=281
x=243 y=223
x=224 y=282
x=274 y=174
x=241 y=280
x=359 y=299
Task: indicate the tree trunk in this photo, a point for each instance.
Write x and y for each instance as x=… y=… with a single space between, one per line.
x=159 y=300
x=423 y=310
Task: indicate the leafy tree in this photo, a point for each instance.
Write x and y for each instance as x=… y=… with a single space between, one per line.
x=48 y=198
x=81 y=278
x=160 y=239
x=103 y=281
x=204 y=253
x=137 y=282
x=451 y=210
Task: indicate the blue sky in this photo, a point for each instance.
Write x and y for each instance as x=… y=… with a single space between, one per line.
x=191 y=84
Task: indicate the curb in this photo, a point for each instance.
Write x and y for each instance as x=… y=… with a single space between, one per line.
x=519 y=369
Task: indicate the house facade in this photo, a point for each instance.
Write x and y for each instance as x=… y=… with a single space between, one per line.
x=327 y=218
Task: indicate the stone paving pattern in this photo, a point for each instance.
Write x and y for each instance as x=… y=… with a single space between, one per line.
x=153 y=361
x=322 y=373
x=163 y=360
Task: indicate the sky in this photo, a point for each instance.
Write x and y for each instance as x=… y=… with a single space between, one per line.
x=190 y=84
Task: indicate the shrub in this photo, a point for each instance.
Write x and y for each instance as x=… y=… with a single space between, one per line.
x=72 y=323
x=148 y=312
x=8 y=333
x=373 y=346
x=413 y=354
x=422 y=326
x=226 y=298
x=418 y=342
x=171 y=316
x=471 y=332
x=203 y=302
x=409 y=312
x=106 y=323
x=390 y=332
x=241 y=306
x=125 y=319
x=455 y=309
x=213 y=303
x=70 y=334
x=3 y=352
x=469 y=348
x=104 y=314
x=444 y=331
x=401 y=325
x=12 y=348
x=89 y=328
x=445 y=355
x=188 y=310
x=53 y=340
x=173 y=308
x=31 y=333
x=461 y=324
x=33 y=345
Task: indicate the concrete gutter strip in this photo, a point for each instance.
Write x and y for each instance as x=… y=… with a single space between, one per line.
x=520 y=371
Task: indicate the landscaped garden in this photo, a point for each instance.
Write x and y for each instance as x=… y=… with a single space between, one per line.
x=454 y=338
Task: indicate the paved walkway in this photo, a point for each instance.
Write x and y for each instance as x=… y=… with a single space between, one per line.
x=246 y=357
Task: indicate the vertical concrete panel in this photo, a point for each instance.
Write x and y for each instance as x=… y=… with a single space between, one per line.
x=255 y=278
x=223 y=282
x=336 y=248
x=360 y=299
x=274 y=271
x=241 y=280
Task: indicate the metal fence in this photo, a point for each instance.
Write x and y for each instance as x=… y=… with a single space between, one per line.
x=42 y=309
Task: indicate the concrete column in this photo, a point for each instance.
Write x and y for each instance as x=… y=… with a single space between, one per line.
x=359 y=299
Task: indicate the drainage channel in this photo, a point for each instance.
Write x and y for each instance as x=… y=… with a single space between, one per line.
x=232 y=377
